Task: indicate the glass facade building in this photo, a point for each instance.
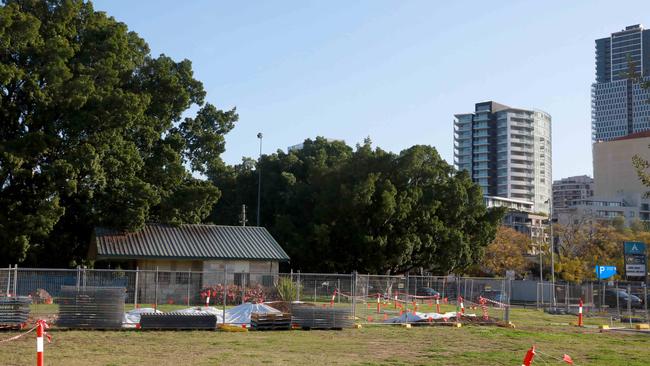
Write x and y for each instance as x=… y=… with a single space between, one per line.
x=507 y=151
x=618 y=104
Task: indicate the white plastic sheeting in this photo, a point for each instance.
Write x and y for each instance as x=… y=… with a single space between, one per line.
x=409 y=317
x=132 y=317
x=240 y=314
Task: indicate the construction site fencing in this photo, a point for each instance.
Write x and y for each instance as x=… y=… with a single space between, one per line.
x=368 y=298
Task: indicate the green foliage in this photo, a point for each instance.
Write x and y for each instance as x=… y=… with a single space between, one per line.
x=91 y=132
x=287 y=289
x=334 y=208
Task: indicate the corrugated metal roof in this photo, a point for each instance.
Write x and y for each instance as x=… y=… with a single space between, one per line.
x=189 y=242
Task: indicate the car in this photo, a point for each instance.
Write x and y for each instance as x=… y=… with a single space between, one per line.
x=611 y=296
x=426 y=291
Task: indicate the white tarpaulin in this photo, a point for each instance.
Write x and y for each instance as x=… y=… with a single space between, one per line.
x=132 y=317
x=240 y=314
x=409 y=317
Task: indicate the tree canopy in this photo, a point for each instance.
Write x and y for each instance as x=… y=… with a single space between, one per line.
x=335 y=208
x=92 y=132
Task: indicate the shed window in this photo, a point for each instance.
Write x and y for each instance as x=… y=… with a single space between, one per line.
x=242 y=279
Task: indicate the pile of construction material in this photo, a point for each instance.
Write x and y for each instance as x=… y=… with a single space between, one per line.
x=14 y=311
x=308 y=316
x=91 y=307
x=270 y=321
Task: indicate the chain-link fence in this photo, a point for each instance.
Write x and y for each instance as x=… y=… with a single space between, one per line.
x=376 y=299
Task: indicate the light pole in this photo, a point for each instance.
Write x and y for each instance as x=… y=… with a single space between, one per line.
x=259 y=179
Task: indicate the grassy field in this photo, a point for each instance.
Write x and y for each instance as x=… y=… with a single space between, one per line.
x=371 y=345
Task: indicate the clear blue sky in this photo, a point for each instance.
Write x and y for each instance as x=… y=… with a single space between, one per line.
x=396 y=71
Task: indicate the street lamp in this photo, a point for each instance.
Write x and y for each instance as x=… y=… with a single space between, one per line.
x=259 y=179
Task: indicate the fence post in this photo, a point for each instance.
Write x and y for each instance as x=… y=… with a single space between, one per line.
x=353 y=292
x=78 y=277
x=566 y=296
x=618 y=305
x=225 y=293
x=338 y=288
x=298 y=287
x=84 y=278
x=508 y=295
x=645 y=301
x=408 y=287
x=15 y=280
x=8 y=280
x=135 y=295
x=629 y=303
x=155 y=296
x=189 y=284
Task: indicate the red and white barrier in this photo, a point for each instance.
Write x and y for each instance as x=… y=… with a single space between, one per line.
x=580 y=313
x=462 y=304
x=437 y=304
x=333 y=297
x=41 y=327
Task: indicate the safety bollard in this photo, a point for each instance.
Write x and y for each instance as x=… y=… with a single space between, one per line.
x=39 y=344
x=462 y=305
x=530 y=355
x=580 y=313
x=437 y=304
x=41 y=327
x=333 y=298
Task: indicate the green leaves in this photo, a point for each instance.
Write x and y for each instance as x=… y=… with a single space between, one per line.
x=91 y=132
x=335 y=209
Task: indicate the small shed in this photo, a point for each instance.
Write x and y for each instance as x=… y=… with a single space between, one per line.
x=246 y=255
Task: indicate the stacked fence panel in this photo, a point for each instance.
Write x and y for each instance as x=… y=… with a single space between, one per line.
x=307 y=316
x=14 y=311
x=91 y=307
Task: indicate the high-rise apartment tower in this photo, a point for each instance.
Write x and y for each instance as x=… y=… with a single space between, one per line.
x=507 y=152
x=619 y=105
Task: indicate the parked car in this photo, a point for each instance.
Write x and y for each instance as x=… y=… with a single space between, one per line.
x=612 y=294
x=426 y=291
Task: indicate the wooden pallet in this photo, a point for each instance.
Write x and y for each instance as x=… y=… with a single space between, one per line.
x=270 y=321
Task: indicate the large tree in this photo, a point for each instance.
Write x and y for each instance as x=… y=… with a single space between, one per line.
x=92 y=132
x=507 y=251
x=336 y=208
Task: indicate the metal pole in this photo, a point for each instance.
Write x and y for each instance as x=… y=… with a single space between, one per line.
x=15 y=280
x=338 y=289
x=189 y=284
x=135 y=295
x=84 y=277
x=541 y=268
x=225 y=292
x=552 y=252
x=629 y=303
x=155 y=306
x=259 y=180
x=353 y=292
x=78 y=277
x=645 y=301
x=8 y=279
x=298 y=287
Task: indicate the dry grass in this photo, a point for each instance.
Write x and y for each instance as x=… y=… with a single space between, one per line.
x=368 y=346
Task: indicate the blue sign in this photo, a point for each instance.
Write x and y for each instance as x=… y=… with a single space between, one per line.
x=605 y=272
x=634 y=247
